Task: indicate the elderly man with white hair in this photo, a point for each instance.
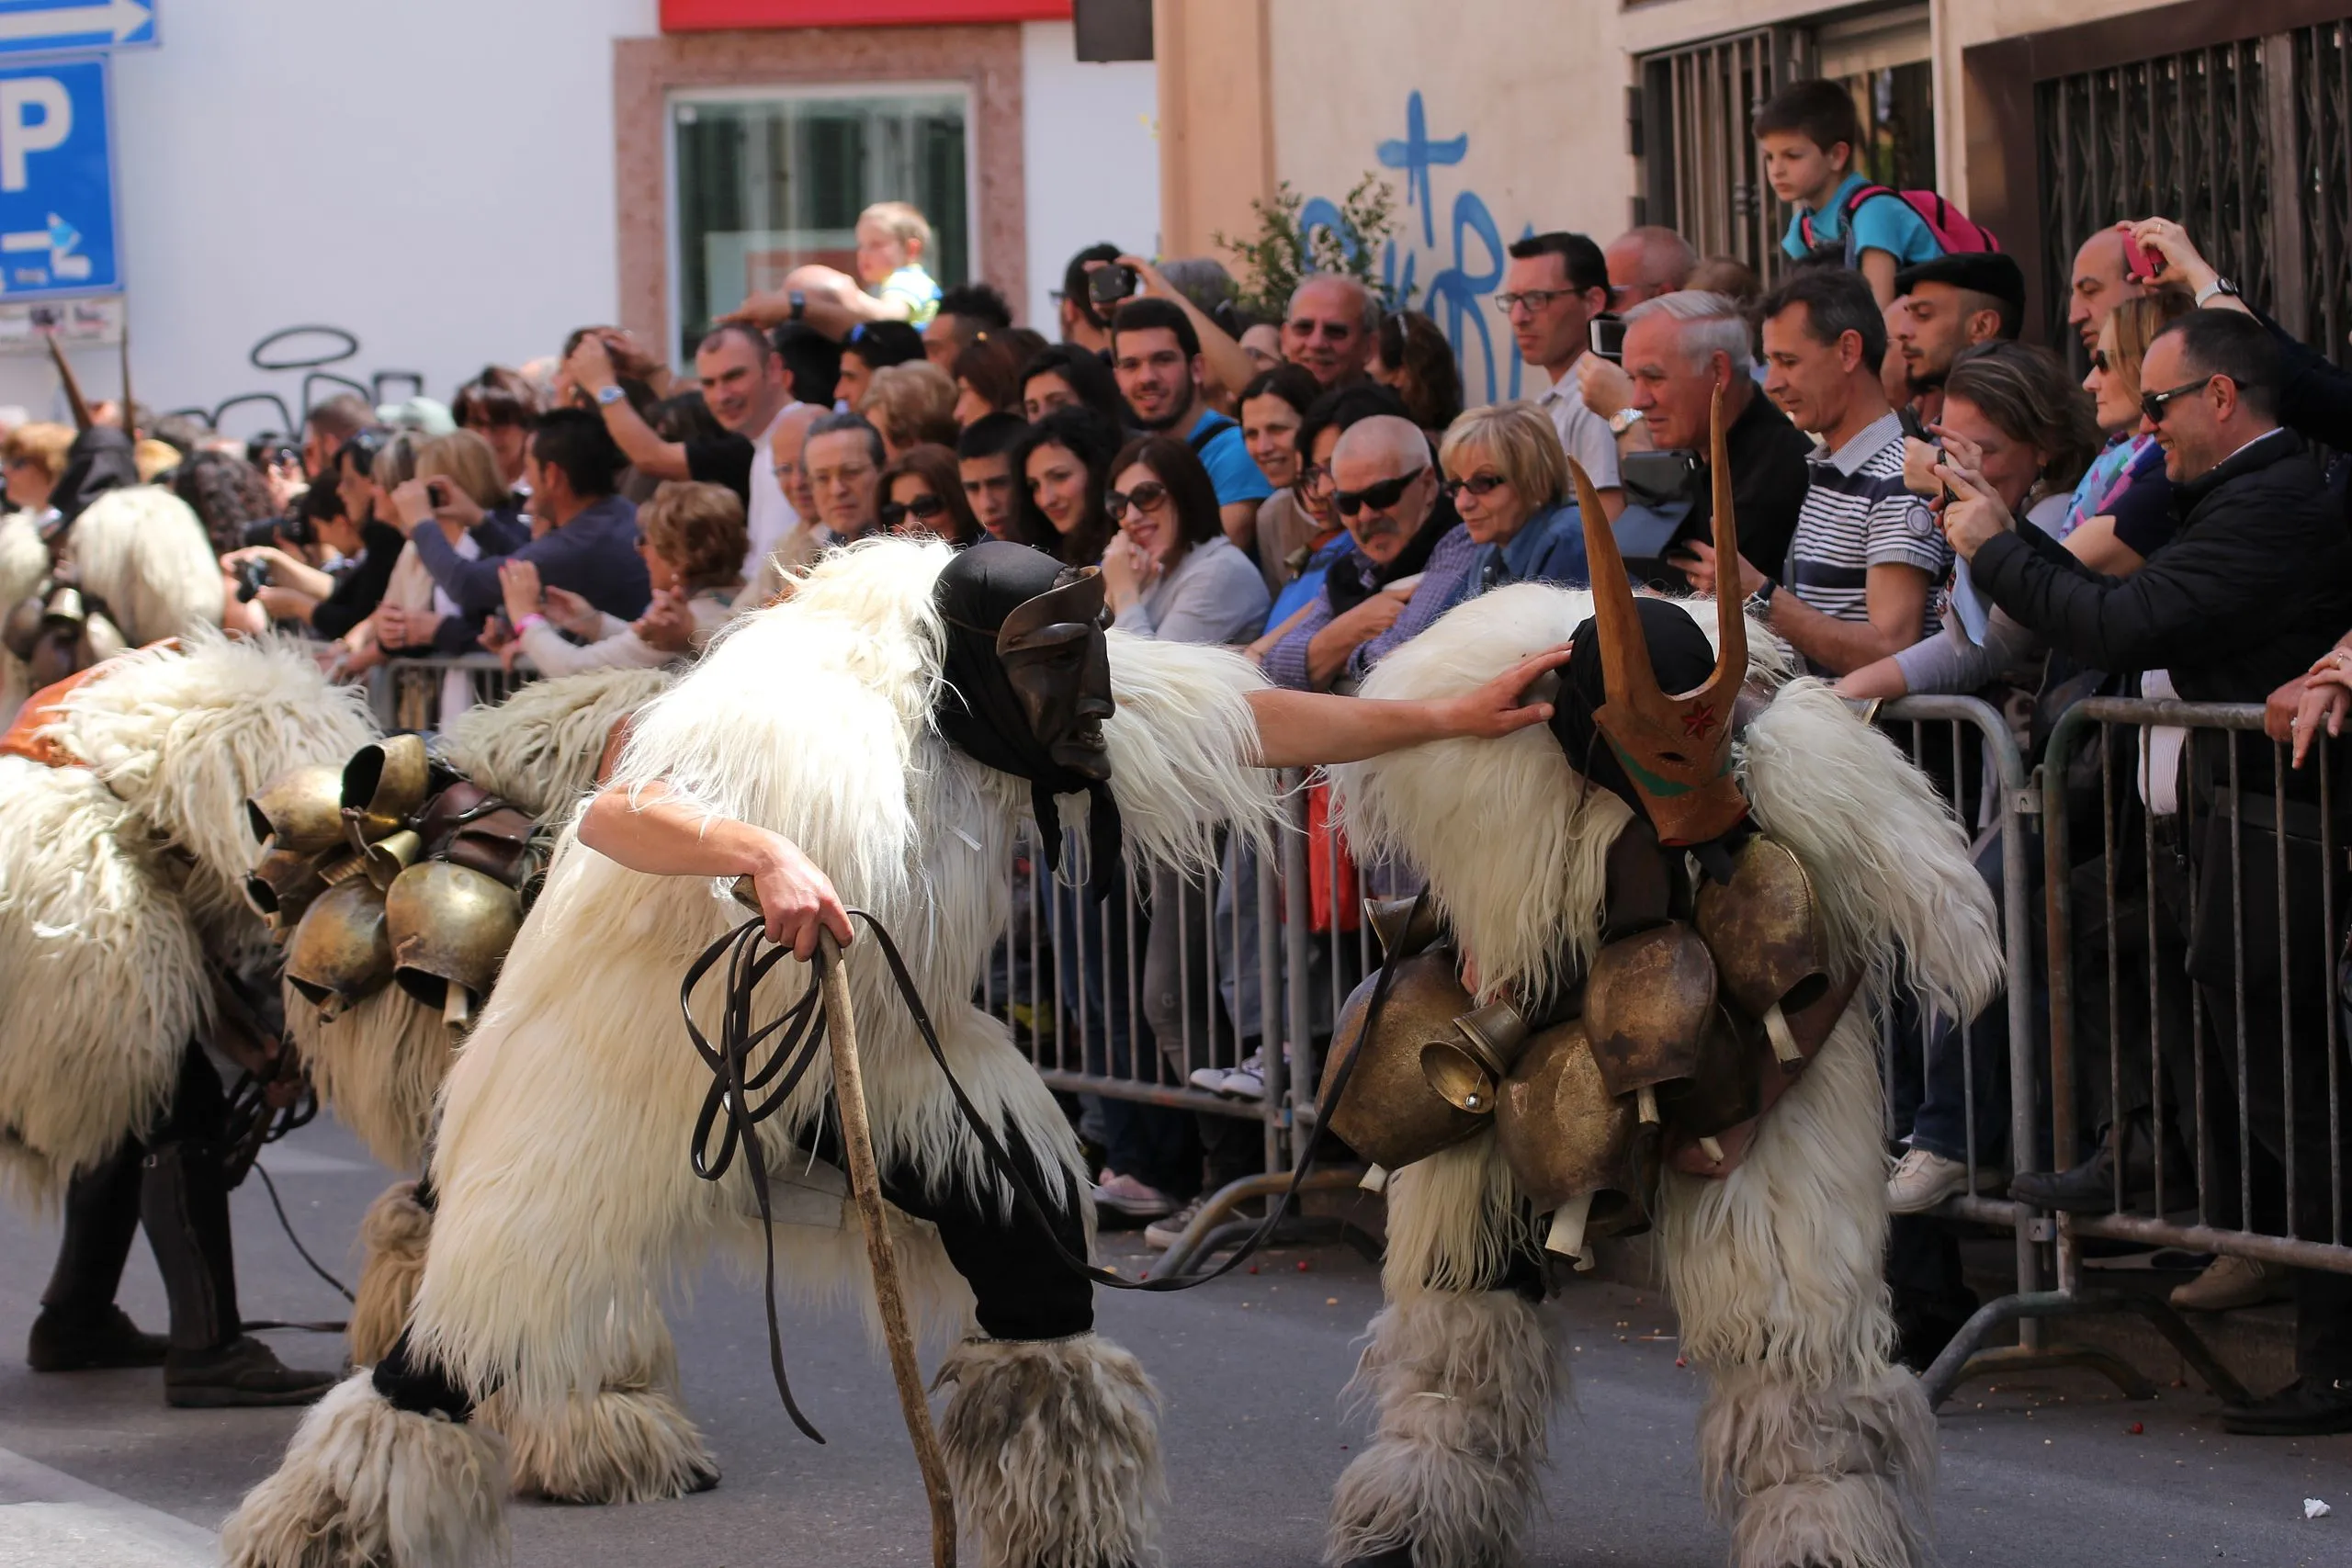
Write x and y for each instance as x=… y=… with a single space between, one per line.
x=1678 y=348
x=1331 y=327
x=1411 y=561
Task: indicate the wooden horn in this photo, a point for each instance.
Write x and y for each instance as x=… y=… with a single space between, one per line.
x=1625 y=651
x=81 y=420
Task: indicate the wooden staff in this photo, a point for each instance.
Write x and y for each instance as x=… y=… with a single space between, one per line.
x=865 y=1187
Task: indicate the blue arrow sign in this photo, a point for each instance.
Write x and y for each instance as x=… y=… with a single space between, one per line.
x=49 y=27
x=57 y=218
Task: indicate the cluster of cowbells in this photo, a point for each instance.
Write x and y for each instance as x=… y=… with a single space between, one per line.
x=390 y=870
x=1684 y=1030
x=56 y=631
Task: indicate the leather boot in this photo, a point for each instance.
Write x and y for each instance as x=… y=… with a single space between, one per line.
x=2089 y=1188
x=80 y=1328
x=184 y=1201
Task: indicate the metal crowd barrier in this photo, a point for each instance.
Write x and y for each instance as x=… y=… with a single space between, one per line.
x=414 y=693
x=2205 y=931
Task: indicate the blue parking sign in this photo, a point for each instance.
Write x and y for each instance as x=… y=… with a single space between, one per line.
x=57 y=215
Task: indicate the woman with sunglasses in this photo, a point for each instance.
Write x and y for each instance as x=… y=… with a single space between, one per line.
x=1172 y=575
x=922 y=495
x=1508 y=481
x=2122 y=508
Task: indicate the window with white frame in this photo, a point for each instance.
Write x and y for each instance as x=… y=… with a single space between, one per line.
x=765 y=179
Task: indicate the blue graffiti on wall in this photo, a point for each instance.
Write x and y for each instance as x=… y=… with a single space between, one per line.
x=1459 y=295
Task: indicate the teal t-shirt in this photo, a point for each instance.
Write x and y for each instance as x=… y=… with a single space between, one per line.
x=1883 y=223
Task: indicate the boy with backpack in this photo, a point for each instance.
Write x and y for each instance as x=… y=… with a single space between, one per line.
x=1809 y=133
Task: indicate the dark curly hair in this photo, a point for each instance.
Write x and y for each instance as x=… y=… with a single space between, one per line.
x=226 y=493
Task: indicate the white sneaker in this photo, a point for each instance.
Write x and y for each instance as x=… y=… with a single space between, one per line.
x=1923 y=1180
x=1209 y=1080
x=2231 y=1282
x=1247 y=1081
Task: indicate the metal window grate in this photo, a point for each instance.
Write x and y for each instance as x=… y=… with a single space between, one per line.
x=1702 y=173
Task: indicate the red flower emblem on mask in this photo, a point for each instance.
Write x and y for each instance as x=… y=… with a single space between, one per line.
x=1700 y=721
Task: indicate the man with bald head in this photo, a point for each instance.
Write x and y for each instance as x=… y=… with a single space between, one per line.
x=1411 y=563
x=1331 y=327
x=1646 y=262
x=2100 y=283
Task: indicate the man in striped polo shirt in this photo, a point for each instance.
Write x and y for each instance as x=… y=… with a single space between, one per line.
x=1864 y=565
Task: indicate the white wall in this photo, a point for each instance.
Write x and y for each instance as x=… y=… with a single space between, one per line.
x=434 y=176
x=1091 y=146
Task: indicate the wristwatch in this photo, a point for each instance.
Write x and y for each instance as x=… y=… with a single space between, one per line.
x=799 y=304
x=1759 y=604
x=1623 y=420
x=2219 y=286
x=608 y=395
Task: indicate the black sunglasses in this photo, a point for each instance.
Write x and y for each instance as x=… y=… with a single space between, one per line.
x=2101 y=363
x=1144 y=496
x=1379 y=497
x=1480 y=485
x=2153 y=404
x=923 y=508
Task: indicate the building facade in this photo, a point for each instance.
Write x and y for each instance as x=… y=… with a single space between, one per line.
x=447 y=183
x=1492 y=119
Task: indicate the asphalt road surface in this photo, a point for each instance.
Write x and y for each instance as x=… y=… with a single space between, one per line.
x=95 y=1472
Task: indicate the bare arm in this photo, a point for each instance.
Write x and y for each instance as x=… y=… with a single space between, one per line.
x=1878 y=269
x=1897 y=597
x=1223 y=357
x=591 y=366
x=1299 y=730
x=661 y=837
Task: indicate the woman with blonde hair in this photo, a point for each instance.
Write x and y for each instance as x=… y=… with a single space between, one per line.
x=453 y=481
x=912 y=404
x=694 y=538
x=2122 y=508
x=1508 y=481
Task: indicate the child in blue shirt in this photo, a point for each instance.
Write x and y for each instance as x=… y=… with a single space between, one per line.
x=1808 y=132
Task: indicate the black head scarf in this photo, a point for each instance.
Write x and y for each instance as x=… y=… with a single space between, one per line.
x=983 y=718
x=1683 y=660
x=99 y=460
x=1355 y=576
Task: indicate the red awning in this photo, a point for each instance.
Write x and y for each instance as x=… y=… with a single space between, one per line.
x=706 y=16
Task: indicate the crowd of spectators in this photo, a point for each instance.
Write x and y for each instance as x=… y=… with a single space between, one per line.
x=1925 y=501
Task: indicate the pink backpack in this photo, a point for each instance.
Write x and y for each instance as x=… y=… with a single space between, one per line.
x=1956 y=232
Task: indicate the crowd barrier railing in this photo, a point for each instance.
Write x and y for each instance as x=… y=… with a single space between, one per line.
x=421 y=693
x=2193 y=885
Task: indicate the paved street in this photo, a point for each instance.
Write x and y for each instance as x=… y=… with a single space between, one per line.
x=94 y=1473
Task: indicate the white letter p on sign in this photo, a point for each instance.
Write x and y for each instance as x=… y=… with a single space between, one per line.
x=18 y=135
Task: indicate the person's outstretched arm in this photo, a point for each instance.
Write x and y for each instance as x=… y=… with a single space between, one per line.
x=1302 y=729
x=662 y=837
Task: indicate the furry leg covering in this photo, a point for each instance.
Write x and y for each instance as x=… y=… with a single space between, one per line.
x=1053 y=1449
x=631 y=1442
x=365 y=1485
x=1818 y=1449
x=1463 y=1385
x=1461 y=1380
x=393 y=1238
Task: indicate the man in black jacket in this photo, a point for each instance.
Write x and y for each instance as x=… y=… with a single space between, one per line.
x=2254 y=585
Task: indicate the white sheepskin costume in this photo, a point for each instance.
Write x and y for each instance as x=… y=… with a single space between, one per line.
x=24 y=565
x=143 y=550
x=1815 y=1445
x=121 y=875
x=565 y=1202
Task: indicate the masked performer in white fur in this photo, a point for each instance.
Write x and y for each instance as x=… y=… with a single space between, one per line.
x=1676 y=911
x=886 y=727
x=126 y=941
x=115 y=564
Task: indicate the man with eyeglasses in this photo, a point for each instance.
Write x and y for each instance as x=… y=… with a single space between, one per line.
x=843 y=457
x=1411 y=561
x=1553 y=284
x=1329 y=328
x=2252 y=588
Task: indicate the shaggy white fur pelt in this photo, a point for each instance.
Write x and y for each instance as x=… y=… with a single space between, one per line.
x=540 y=747
x=118 y=877
x=1820 y=1449
x=143 y=551
x=24 y=563
x=565 y=1198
